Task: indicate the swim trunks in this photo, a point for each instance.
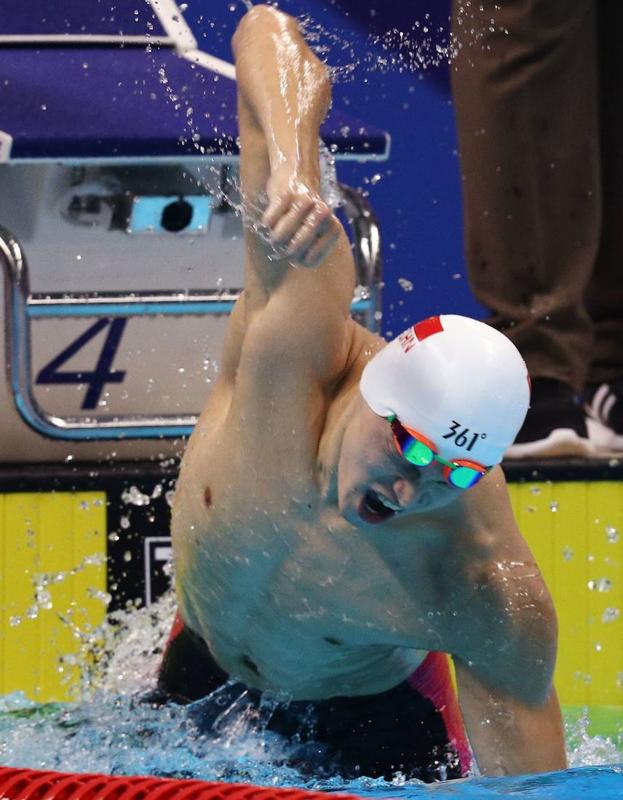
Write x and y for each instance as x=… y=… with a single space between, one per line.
x=415 y=728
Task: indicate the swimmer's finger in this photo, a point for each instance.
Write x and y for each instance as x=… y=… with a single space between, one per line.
x=315 y=225
x=317 y=249
x=320 y=249
x=290 y=222
x=276 y=209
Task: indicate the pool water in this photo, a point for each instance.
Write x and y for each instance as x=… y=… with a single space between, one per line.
x=112 y=730
x=120 y=736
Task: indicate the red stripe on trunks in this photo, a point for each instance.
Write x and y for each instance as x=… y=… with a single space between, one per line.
x=433 y=680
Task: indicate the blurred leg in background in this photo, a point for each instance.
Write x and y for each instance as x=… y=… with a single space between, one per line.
x=604 y=298
x=540 y=185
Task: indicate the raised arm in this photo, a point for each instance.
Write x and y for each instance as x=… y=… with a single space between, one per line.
x=284 y=92
x=299 y=275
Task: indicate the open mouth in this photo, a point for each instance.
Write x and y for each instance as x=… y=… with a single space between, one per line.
x=375 y=507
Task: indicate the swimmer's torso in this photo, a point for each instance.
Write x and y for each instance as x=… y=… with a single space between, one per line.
x=287 y=594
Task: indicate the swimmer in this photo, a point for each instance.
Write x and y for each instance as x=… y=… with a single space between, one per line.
x=341 y=523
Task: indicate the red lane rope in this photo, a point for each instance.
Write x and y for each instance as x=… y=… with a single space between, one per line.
x=30 y=784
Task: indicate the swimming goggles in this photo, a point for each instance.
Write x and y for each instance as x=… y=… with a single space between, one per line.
x=420 y=451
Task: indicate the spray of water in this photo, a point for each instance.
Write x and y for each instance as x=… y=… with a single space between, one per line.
x=116 y=729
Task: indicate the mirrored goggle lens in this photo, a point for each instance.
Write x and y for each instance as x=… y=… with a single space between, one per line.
x=464 y=477
x=417 y=453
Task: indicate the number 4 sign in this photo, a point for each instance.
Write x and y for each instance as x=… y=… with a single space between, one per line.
x=95 y=379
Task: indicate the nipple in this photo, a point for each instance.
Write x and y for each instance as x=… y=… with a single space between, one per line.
x=207 y=496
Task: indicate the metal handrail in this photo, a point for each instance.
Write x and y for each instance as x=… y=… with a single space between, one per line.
x=21 y=307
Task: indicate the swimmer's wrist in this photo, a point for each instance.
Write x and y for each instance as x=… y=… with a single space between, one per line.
x=297 y=170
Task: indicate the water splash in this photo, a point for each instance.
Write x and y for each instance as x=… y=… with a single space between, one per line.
x=418 y=49
x=116 y=729
x=585 y=748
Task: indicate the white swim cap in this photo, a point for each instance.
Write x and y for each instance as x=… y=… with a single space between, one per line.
x=459 y=382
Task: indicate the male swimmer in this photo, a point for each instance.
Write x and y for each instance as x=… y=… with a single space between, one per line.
x=340 y=521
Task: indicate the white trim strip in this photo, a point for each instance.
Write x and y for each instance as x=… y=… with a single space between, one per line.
x=147 y=561
x=212 y=63
x=6 y=142
x=599 y=398
x=606 y=407
x=173 y=22
x=84 y=38
x=185 y=158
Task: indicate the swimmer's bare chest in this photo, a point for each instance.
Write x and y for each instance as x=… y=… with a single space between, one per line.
x=287 y=594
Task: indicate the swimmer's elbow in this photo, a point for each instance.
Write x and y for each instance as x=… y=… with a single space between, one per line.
x=266 y=18
x=262 y=22
x=267 y=24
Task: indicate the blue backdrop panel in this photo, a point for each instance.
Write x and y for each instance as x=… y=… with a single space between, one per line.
x=72 y=103
x=78 y=17
x=78 y=103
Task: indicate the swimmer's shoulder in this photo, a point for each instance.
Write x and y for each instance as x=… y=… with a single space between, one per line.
x=483 y=520
x=363 y=345
x=485 y=539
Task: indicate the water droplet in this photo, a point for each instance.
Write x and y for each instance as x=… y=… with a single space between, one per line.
x=612 y=534
x=134 y=497
x=44 y=599
x=600 y=585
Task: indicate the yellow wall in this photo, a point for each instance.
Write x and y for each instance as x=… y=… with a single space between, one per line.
x=575 y=530
x=52 y=580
